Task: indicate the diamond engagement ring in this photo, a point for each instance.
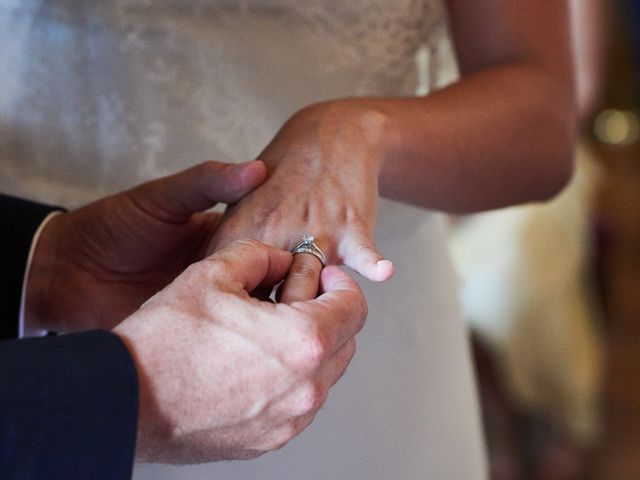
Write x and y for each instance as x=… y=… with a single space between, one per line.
x=308 y=246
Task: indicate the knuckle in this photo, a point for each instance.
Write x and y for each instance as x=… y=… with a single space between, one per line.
x=348 y=354
x=278 y=446
x=303 y=269
x=355 y=217
x=310 y=398
x=285 y=433
x=355 y=309
x=308 y=353
x=348 y=350
x=313 y=352
x=364 y=249
x=218 y=261
x=240 y=251
x=351 y=312
x=201 y=269
x=351 y=348
x=247 y=242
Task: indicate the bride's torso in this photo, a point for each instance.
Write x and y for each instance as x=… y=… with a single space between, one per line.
x=96 y=96
x=99 y=95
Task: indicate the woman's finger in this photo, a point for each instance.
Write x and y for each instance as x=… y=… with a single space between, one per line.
x=303 y=280
x=360 y=254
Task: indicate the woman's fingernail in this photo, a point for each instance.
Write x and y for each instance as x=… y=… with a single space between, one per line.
x=385 y=269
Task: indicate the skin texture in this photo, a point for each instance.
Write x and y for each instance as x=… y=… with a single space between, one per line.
x=222 y=374
x=501 y=135
x=94 y=266
x=255 y=373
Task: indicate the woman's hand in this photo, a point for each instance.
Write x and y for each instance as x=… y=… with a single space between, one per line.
x=323 y=170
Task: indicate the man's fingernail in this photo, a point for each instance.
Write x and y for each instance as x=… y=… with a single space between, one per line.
x=238 y=167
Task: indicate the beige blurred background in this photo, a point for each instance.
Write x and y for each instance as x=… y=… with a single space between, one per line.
x=552 y=292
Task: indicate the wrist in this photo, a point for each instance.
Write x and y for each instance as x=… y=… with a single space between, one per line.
x=42 y=276
x=128 y=339
x=155 y=429
x=356 y=126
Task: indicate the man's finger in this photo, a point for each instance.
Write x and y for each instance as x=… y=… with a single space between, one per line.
x=337 y=365
x=340 y=311
x=175 y=198
x=303 y=280
x=251 y=264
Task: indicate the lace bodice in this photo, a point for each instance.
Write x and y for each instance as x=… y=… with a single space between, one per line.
x=99 y=95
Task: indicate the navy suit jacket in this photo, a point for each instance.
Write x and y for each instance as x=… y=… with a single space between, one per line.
x=68 y=403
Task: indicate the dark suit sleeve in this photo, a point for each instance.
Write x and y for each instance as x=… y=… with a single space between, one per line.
x=19 y=220
x=68 y=404
x=68 y=408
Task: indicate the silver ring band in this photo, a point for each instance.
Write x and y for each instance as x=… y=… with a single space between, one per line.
x=308 y=246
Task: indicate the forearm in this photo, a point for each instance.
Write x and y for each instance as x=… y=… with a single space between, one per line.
x=498 y=137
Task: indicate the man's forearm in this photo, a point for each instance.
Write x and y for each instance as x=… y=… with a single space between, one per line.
x=68 y=407
x=19 y=220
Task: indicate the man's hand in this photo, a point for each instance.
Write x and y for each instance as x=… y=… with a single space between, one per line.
x=224 y=375
x=96 y=265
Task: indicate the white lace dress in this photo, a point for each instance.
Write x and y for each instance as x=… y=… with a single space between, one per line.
x=98 y=95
